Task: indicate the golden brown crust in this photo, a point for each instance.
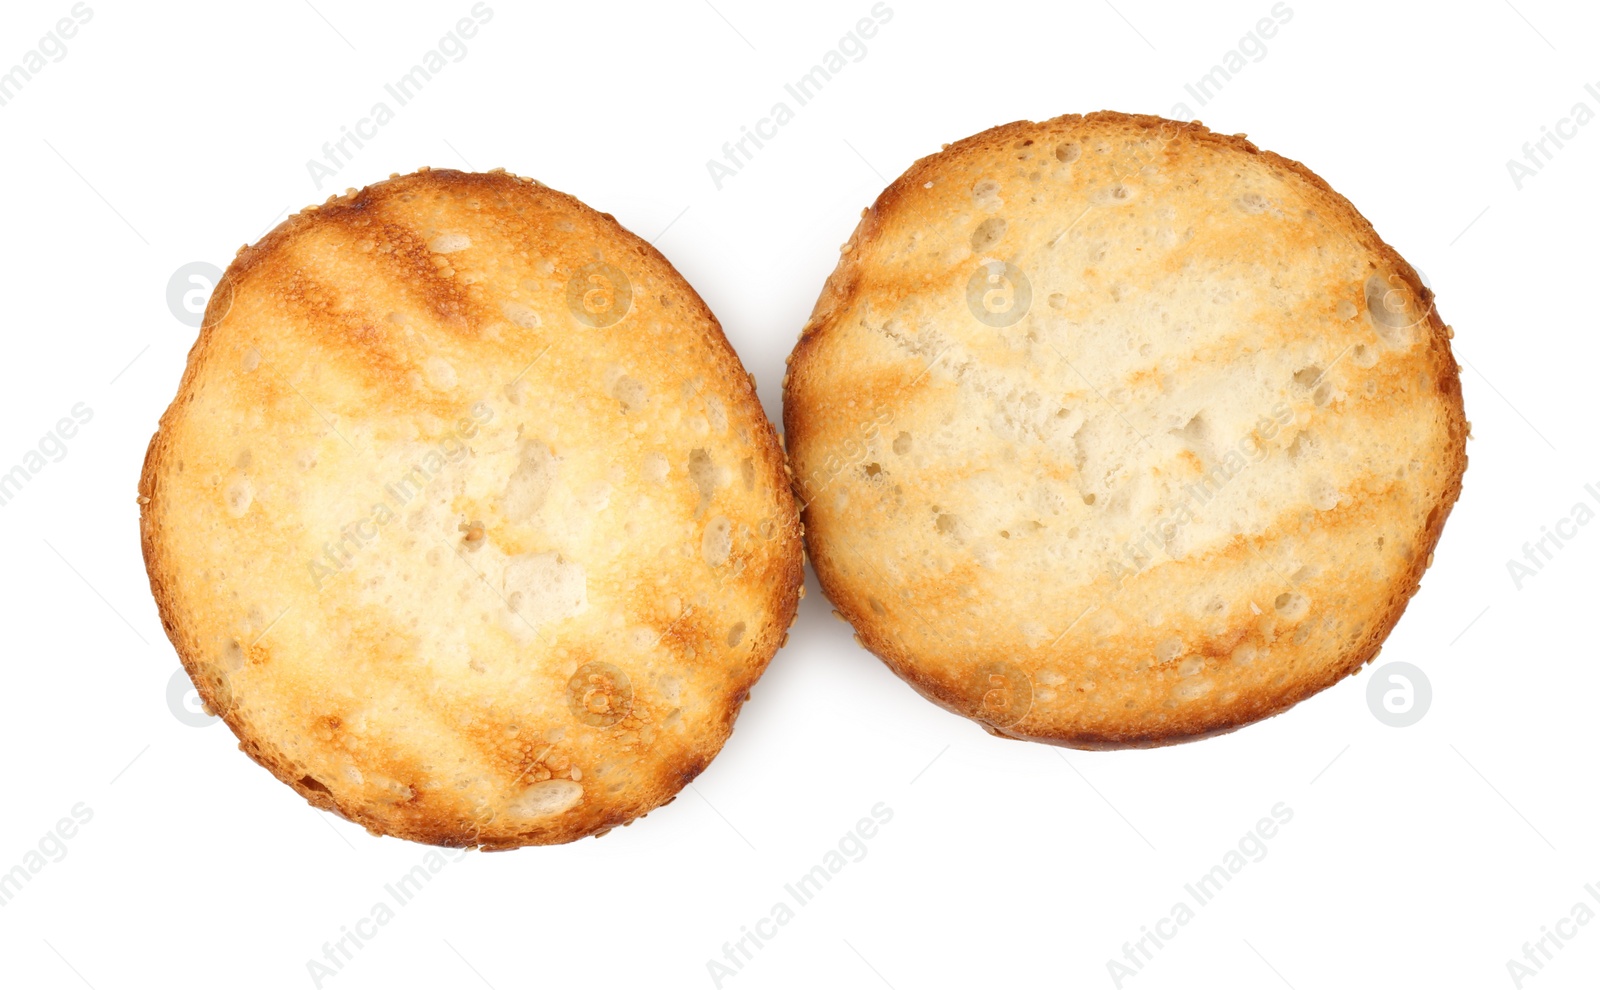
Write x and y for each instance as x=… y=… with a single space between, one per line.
x=466 y=518
x=984 y=573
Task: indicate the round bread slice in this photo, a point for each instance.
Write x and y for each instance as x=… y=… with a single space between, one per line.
x=466 y=517
x=1111 y=431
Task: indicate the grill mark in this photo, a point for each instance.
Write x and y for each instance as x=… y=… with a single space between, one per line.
x=348 y=308
x=944 y=596
x=391 y=754
x=399 y=257
x=351 y=339
x=1141 y=379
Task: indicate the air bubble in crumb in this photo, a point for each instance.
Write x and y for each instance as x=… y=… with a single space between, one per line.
x=987 y=194
x=548 y=797
x=239 y=496
x=1302 y=445
x=530 y=483
x=703 y=472
x=736 y=634
x=1116 y=194
x=1324 y=495
x=717 y=542
x=629 y=392
x=988 y=234
x=521 y=315
x=448 y=243
x=1292 y=605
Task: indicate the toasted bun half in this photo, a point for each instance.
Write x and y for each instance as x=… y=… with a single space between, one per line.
x=466 y=517
x=1111 y=431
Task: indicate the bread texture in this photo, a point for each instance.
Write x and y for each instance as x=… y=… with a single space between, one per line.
x=1110 y=431
x=466 y=517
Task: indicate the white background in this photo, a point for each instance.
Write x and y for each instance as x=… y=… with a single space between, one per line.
x=1420 y=856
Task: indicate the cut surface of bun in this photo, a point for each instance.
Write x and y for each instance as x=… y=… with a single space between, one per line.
x=466 y=517
x=1112 y=431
